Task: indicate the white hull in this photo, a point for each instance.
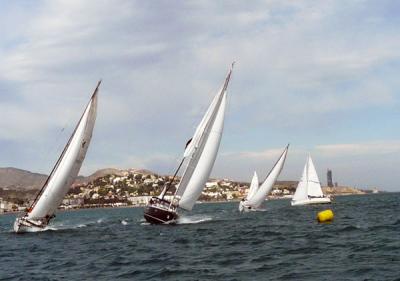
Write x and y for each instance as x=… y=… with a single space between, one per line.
x=311 y=201
x=21 y=225
x=242 y=207
x=246 y=208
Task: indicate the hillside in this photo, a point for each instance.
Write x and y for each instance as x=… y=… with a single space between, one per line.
x=17 y=179
x=22 y=180
x=117 y=185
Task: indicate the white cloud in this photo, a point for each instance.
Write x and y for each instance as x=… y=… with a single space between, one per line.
x=357 y=164
x=297 y=62
x=359 y=149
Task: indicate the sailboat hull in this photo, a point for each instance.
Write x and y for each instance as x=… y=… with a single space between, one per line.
x=312 y=201
x=155 y=215
x=243 y=207
x=22 y=225
x=159 y=211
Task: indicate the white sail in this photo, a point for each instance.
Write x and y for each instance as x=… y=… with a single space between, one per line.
x=266 y=187
x=202 y=151
x=68 y=165
x=314 y=186
x=194 y=142
x=309 y=189
x=253 y=186
x=301 y=190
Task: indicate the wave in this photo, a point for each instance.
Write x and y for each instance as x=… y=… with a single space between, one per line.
x=350 y=228
x=58 y=226
x=193 y=219
x=63 y=227
x=260 y=210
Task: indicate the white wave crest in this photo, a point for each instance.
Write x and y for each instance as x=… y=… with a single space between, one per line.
x=193 y=219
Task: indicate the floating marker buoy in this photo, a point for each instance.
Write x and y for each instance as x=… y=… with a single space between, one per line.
x=325 y=216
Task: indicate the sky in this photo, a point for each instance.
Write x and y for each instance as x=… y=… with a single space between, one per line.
x=320 y=75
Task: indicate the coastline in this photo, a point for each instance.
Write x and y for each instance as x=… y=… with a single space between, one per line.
x=200 y=202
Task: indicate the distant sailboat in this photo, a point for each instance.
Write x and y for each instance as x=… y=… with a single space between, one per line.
x=199 y=156
x=257 y=195
x=63 y=174
x=309 y=189
x=254 y=185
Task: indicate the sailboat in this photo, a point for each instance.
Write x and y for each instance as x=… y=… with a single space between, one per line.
x=257 y=195
x=309 y=189
x=66 y=169
x=199 y=157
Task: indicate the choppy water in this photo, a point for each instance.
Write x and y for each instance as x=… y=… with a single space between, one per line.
x=214 y=242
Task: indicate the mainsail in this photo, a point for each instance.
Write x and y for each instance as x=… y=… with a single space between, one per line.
x=67 y=166
x=202 y=150
x=253 y=186
x=266 y=187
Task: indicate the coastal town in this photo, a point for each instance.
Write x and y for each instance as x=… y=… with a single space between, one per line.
x=123 y=188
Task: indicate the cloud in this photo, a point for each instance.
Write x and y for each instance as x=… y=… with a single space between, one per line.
x=268 y=154
x=306 y=72
x=359 y=149
x=353 y=164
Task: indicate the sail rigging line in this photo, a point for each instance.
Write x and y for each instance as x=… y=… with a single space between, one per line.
x=168 y=186
x=276 y=163
x=315 y=181
x=196 y=154
x=55 y=148
x=45 y=157
x=63 y=152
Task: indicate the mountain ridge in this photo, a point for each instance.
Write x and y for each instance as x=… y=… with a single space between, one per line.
x=23 y=180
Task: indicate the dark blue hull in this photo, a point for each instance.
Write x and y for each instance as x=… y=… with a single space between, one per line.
x=157 y=215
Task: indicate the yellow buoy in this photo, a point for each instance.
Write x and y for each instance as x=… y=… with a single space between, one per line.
x=325 y=216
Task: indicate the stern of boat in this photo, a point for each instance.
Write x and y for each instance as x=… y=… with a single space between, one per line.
x=160 y=211
x=243 y=207
x=22 y=224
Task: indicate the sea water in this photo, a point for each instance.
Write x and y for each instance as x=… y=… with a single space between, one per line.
x=213 y=242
